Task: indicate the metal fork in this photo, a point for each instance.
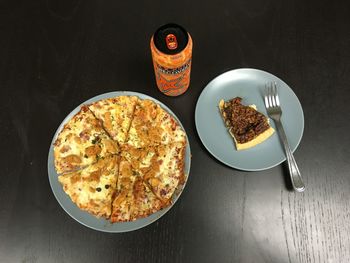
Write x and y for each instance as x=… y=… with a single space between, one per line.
x=274 y=110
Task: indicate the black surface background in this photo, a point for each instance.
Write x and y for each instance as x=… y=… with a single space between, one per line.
x=56 y=54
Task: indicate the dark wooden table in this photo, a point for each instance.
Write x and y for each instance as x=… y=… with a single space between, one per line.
x=56 y=54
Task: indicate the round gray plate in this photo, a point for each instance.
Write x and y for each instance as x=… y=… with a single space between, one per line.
x=84 y=217
x=249 y=84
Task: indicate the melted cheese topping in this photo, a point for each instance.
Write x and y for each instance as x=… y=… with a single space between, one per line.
x=146 y=161
x=170 y=171
x=116 y=115
x=133 y=139
x=134 y=199
x=82 y=142
x=153 y=126
x=161 y=166
x=91 y=189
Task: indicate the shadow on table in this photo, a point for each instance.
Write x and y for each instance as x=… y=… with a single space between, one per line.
x=286 y=176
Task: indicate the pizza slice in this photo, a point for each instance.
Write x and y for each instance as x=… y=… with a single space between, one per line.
x=133 y=198
x=152 y=126
x=162 y=167
x=115 y=114
x=93 y=187
x=246 y=125
x=171 y=131
x=166 y=171
x=145 y=201
x=81 y=142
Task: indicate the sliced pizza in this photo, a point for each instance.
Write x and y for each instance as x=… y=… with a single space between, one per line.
x=246 y=125
x=121 y=158
x=152 y=126
x=116 y=115
x=81 y=142
x=162 y=167
x=92 y=188
x=133 y=198
x=166 y=172
x=145 y=201
x=171 y=131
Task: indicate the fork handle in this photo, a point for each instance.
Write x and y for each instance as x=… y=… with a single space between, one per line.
x=295 y=176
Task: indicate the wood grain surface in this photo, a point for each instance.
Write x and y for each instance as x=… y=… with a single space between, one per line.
x=56 y=54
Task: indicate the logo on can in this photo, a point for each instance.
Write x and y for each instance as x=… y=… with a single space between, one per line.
x=171 y=48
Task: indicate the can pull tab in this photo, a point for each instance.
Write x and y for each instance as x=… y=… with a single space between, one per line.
x=171 y=41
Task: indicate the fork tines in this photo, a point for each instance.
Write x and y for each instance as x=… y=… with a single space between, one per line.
x=271 y=96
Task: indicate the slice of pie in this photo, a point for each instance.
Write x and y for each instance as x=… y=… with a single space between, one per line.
x=247 y=126
x=92 y=188
x=81 y=142
x=115 y=114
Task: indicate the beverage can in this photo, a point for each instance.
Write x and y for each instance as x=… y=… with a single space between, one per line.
x=171 y=48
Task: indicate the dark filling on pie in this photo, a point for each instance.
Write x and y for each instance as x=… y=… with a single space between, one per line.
x=245 y=122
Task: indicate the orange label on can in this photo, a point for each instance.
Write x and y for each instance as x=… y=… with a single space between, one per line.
x=172 y=72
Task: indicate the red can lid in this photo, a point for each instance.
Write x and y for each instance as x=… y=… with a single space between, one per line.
x=170 y=38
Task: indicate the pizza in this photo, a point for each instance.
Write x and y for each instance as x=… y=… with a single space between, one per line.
x=121 y=158
x=166 y=170
x=153 y=126
x=82 y=142
x=246 y=125
x=161 y=167
x=134 y=199
x=93 y=187
x=115 y=114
